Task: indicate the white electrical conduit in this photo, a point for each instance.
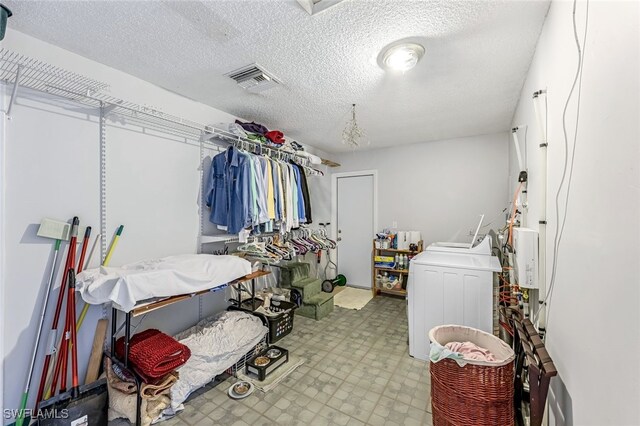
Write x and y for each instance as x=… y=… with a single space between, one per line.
x=539 y=119
x=542 y=201
x=514 y=133
x=522 y=167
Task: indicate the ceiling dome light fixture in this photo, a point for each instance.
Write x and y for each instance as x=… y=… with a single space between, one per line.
x=402 y=57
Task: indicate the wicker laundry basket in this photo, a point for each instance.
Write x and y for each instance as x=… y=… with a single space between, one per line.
x=481 y=392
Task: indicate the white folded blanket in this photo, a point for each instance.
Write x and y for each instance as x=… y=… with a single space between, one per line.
x=169 y=276
x=216 y=344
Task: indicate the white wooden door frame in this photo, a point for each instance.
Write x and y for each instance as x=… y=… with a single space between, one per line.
x=334 y=202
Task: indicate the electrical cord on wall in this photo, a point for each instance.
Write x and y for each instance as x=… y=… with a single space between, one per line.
x=526 y=130
x=495 y=218
x=567 y=172
x=513 y=213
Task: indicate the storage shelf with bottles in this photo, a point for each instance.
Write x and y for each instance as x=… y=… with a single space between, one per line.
x=391 y=279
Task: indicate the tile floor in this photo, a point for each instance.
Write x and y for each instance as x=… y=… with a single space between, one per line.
x=357 y=372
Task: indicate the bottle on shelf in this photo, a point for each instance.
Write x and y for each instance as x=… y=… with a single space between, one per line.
x=397 y=261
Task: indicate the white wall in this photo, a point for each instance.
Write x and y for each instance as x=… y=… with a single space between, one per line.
x=439 y=188
x=52 y=170
x=593 y=324
x=51 y=154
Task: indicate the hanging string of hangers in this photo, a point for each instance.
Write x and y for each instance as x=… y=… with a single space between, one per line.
x=273 y=248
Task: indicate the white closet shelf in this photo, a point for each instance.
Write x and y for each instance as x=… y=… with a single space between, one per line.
x=204 y=239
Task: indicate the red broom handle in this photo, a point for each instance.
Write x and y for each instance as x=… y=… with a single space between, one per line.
x=65 y=343
x=62 y=355
x=56 y=317
x=83 y=252
x=69 y=321
x=63 y=361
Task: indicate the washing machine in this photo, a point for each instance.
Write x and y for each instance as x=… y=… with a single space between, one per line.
x=450 y=284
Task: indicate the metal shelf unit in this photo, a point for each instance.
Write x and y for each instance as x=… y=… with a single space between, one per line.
x=377 y=251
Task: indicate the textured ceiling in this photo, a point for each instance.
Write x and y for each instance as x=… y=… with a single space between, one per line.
x=468 y=83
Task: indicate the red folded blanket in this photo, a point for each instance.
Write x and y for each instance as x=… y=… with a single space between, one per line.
x=153 y=354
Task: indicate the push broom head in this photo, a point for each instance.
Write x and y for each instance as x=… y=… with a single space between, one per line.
x=56 y=229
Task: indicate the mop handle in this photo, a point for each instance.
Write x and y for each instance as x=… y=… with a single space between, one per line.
x=74 y=342
x=112 y=248
x=93 y=249
x=107 y=259
x=52 y=277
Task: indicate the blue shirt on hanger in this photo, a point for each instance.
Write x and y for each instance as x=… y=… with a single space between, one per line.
x=299 y=198
x=241 y=211
x=216 y=194
x=276 y=189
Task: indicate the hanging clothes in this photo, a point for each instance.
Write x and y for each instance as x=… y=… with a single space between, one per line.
x=271 y=201
x=281 y=191
x=216 y=191
x=288 y=198
x=261 y=192
x=301 y=207
x=277 y=190
x=294 y=196
x=254 y=189
x=255 y=193
x=230 y=197
x=305 y=196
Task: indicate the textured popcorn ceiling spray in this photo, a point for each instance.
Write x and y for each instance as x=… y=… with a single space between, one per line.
x=468 y=83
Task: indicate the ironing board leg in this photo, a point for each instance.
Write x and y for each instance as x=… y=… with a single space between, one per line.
x=139 y=404
x=127 y=338
x=114 y=329
x=253 y=294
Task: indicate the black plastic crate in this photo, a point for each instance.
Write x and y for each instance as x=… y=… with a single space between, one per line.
x=282 y=324
x=279 y=325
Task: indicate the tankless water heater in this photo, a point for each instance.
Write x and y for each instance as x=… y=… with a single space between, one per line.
x=525 y=244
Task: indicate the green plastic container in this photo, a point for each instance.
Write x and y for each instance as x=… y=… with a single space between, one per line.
x=5 y=14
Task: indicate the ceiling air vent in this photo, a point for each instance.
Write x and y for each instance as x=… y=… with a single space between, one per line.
x=253 y=78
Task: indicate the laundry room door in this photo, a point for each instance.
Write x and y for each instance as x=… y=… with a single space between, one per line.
x=355 y=227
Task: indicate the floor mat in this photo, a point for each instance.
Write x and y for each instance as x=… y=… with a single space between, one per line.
x=276 y=377
x=353 y=298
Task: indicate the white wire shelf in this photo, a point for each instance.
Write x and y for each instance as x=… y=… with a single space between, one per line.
x=44 y=77
x=205 y=239
x=22 y=71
